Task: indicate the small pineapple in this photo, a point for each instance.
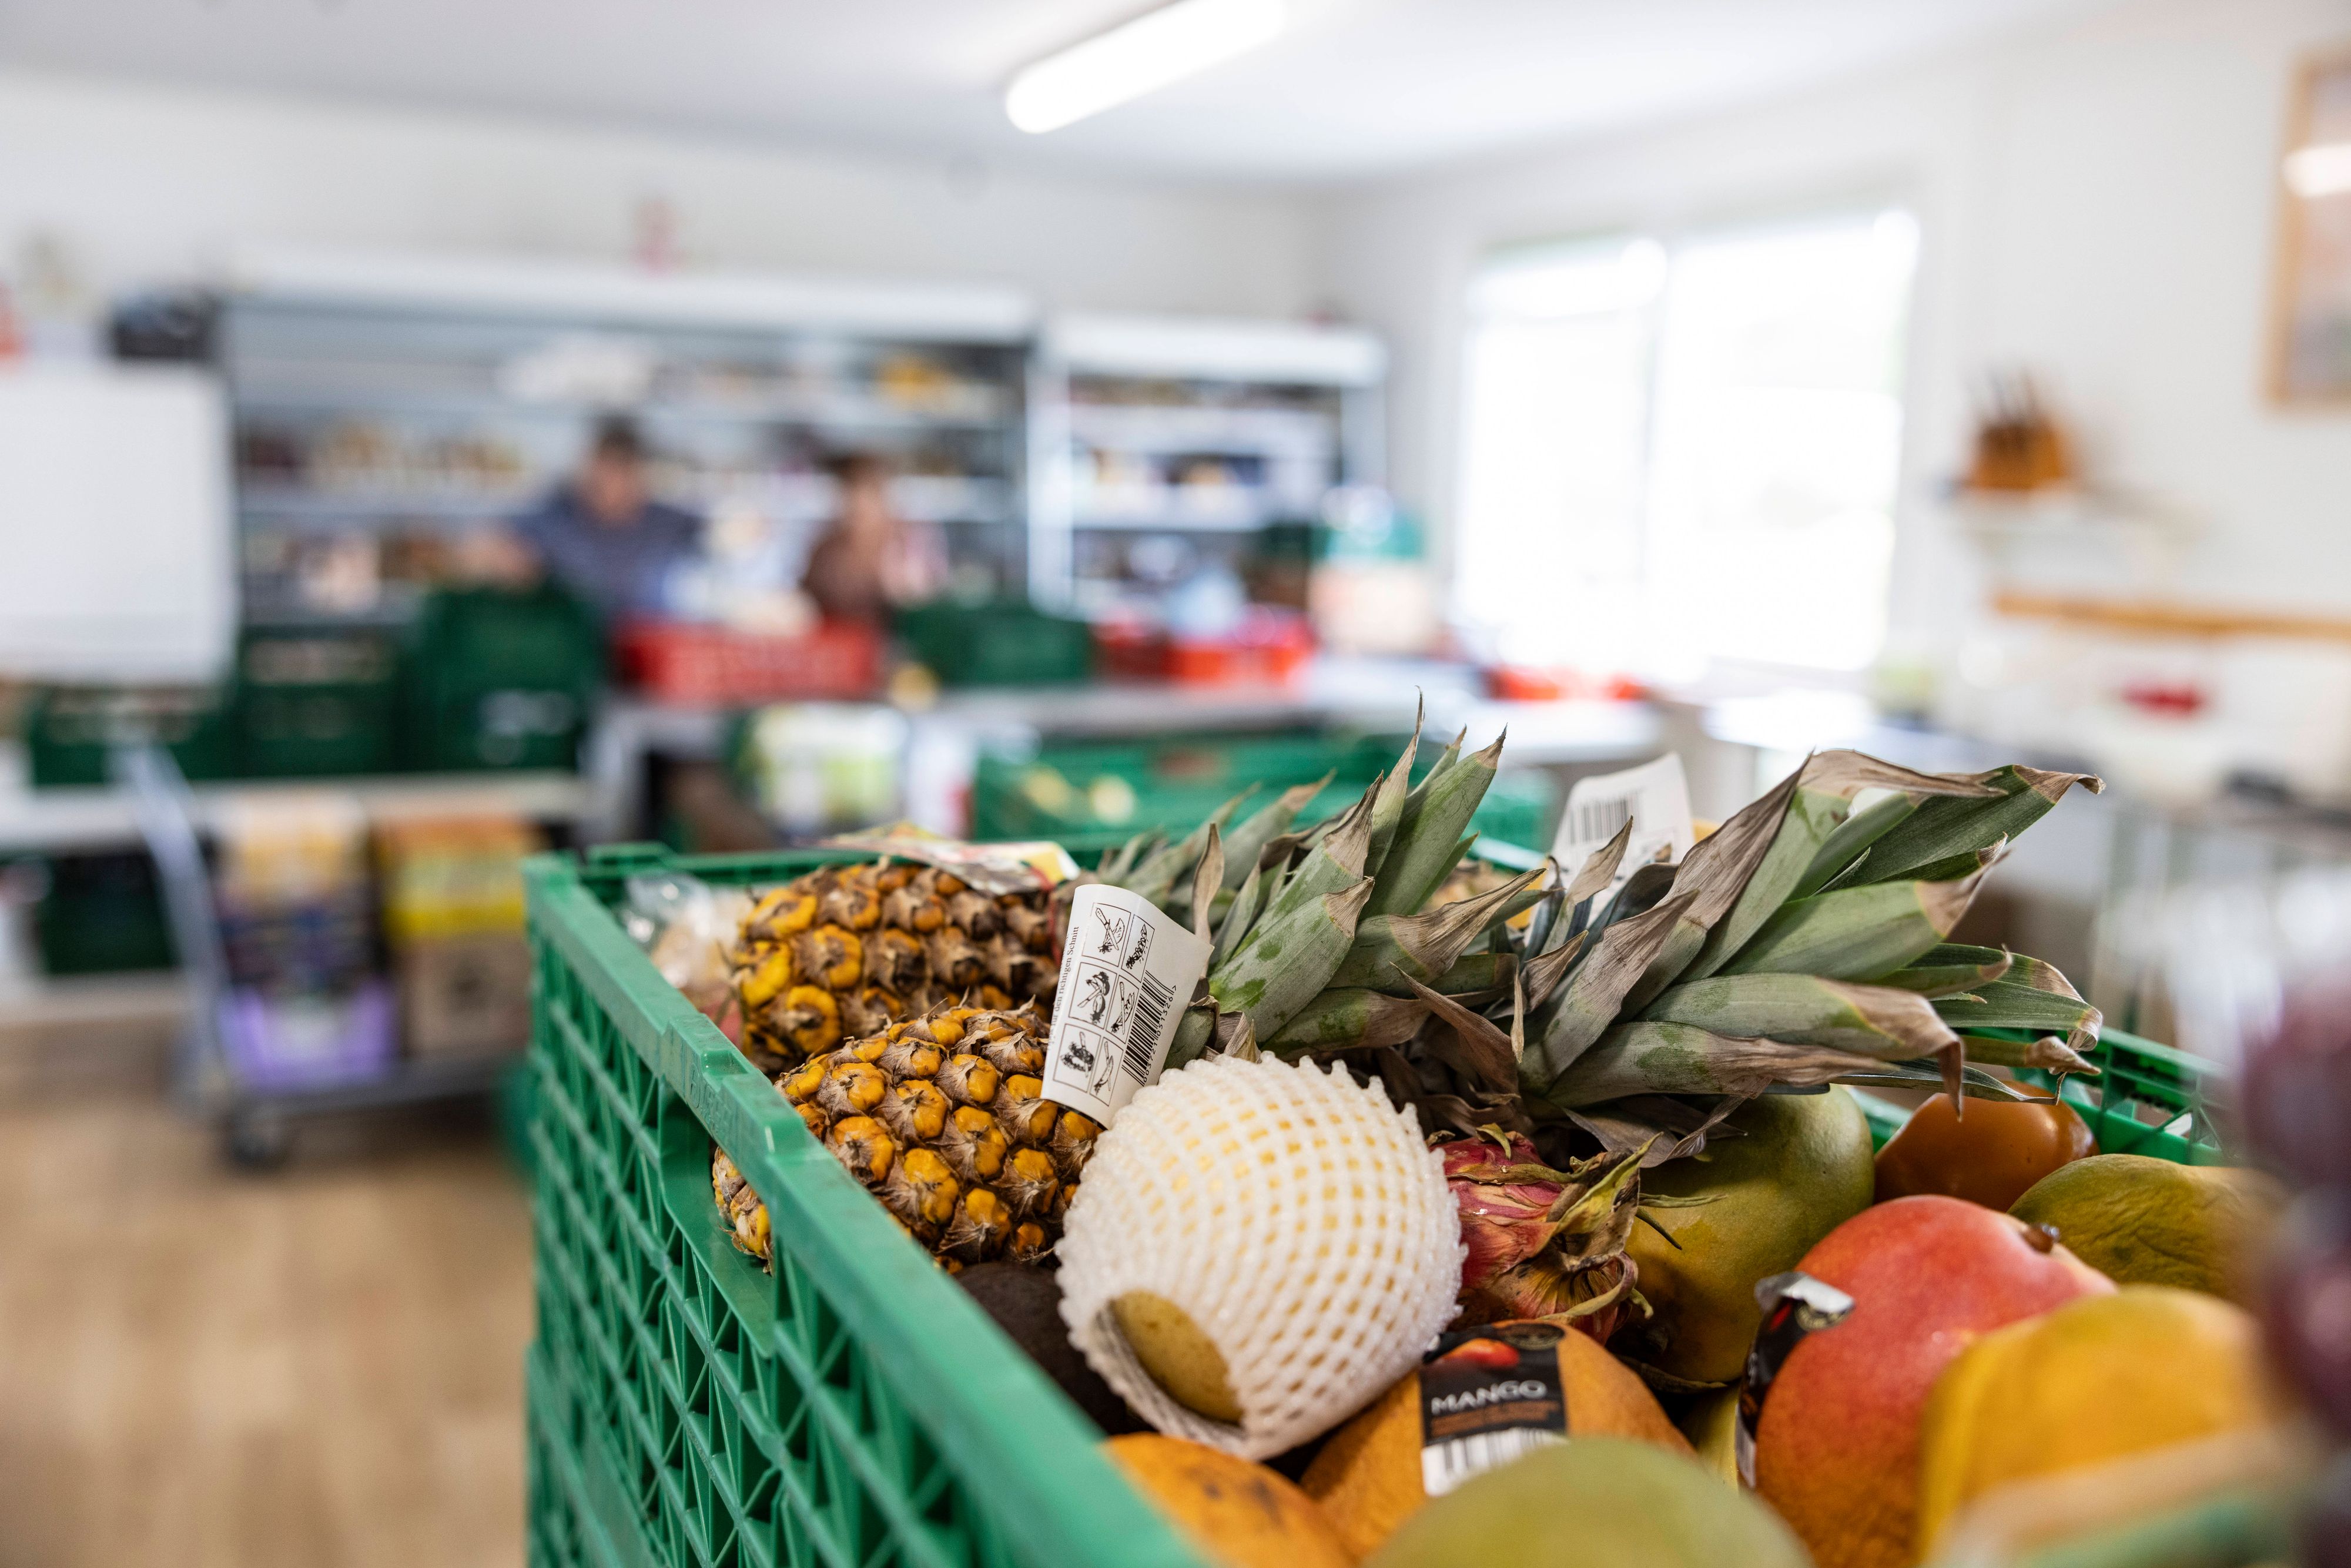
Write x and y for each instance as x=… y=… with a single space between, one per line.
x=943 y=1118
x=846 y=951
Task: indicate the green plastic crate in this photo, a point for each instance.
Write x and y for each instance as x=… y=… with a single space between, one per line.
x=1007 y=644
x=854 y=1408
x=1174 y=783
x=500 y=679
x=103 y=914
x=2147 y=1099
x=71 y=730
x=319 y=702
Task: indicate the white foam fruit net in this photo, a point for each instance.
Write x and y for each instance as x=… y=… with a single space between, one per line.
x=1296 y=1216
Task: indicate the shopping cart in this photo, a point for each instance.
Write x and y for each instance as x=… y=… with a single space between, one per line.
x=248 y=1060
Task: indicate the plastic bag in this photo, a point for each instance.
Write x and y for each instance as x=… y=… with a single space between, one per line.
x=687 y=926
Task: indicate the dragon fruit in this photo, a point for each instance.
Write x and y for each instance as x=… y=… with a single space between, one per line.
x=1544 y=1242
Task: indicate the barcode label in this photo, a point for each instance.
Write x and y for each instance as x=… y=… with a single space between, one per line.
x=1653 y=797
x=1447 y=1465
x=1597 y=818
x=1150 y=1018
x=1123 y=966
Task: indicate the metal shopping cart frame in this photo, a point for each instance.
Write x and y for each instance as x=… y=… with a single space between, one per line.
x=256 y=1122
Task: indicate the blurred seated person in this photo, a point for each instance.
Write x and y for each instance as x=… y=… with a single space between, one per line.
x=869 y=560
x=600 y=533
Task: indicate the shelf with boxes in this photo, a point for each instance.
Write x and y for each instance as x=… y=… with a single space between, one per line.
x=392 y=403
x=1164 y=450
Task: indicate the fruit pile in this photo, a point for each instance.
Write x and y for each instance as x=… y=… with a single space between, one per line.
x=1467 y=1202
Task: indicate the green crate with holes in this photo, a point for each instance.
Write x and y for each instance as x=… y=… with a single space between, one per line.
x=852 y=1409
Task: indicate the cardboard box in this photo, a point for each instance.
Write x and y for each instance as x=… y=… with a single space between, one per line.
x=465 y=995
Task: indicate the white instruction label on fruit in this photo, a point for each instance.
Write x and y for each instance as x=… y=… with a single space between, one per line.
x=1128 y=969
x=1655 y=796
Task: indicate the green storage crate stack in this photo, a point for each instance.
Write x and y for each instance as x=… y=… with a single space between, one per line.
x=71 y=730
x=317 y=702
x=101 y=914
x=500 y=680
x=1125 y=789
x=852 y=1409
x=1007 y=644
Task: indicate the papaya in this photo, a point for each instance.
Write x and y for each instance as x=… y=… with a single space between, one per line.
x=1239 y=1514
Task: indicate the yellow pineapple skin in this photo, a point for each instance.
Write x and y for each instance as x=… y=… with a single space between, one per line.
x=843 y=952
x=942 y=1118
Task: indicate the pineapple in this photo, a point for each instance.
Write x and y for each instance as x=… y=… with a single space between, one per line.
x=1802 y=943
x=943 y=1117
x=846 y=951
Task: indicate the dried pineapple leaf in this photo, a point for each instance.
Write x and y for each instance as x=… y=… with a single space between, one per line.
x=1207 y=882
x=1487 y=1055
x=1942 y=828
x=1596 y=990
x=1677 y=1059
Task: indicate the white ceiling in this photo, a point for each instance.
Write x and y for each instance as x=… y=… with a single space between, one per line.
x=1354 y=89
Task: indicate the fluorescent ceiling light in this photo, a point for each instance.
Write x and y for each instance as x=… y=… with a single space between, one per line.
x=2321 y=169
x=1138 y=57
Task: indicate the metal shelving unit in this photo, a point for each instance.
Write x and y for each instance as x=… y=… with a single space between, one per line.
x=392 y=399
x=1201 y=429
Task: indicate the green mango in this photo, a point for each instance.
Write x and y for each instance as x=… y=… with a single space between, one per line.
x=1593 y=1502
x=1750 y=1206
x=2142 y=1221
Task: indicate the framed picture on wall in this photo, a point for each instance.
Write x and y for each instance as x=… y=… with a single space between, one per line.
x=2310 y=357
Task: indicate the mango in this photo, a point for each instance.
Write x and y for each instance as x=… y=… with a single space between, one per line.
x=1837 y=1451
x=1239 y=1514
x=1367 y=1476
x=1786 y=1170
x=2097 y=1379
x=1594 y=1502
x=2149 y=1222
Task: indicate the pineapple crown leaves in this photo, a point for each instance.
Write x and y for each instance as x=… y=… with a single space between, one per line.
x=1391 y=950
x=1289 y=927
x=1804 y=942
x=1833 y=987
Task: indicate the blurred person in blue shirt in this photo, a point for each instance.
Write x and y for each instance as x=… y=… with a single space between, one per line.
x=602 y=536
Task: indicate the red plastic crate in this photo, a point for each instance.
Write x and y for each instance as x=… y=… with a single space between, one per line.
x=1271 y=649
x=713 y=666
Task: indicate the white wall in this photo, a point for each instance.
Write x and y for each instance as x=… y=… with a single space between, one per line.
x=2098 y=203
x=147 y=182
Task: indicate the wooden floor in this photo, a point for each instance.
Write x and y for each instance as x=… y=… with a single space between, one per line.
x=319 y=1366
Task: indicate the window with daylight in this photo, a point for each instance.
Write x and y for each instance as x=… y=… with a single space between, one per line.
x=1685 y=451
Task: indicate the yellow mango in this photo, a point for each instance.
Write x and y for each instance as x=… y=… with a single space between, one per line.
x=2099 y=1378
